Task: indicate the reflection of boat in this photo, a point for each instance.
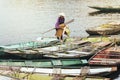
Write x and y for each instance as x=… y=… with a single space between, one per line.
x=104 y=29
x=108 y=56
x=106 y=9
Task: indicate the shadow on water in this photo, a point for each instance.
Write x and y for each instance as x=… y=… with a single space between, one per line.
x=102 y=12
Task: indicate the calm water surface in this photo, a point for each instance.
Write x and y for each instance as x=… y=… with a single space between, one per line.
x=25 y=20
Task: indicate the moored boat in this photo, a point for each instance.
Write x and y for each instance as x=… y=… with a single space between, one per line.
x=37 y=76
x=69 y=71
x=104 y=29
x=66 y=46
x=38 y=52
x=31 y=44
x=25 y=49
x=48 y=63
x=106 y=8
x=108 y=56
x=81 y=52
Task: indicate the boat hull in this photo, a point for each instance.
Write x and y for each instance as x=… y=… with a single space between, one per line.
x=104 y=29
x=38 y=53
x=44 y=63
x=109 y=56
x=68 y=71
x=106 y=9
x=73 y=72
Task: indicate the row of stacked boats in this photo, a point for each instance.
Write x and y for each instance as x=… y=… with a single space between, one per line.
x=92 y=56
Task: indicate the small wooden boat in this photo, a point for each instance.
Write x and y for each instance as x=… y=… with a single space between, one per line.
x=64 y=47
x=25 y=49
x=30 y=45
x=104 y=29
x=108 y=56
x=44 y=63
x=106 y=8
x=37 y=76
x=38 y=52
x=62 y=52
x=69 y=70
x=82 y=52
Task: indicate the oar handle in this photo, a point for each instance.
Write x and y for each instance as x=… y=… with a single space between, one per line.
x=69 y=21
x=48 y=30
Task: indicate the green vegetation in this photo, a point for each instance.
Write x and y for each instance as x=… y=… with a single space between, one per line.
x=96 y=39
x=105 y=26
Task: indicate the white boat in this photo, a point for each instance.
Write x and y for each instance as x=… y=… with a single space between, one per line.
x=73 y=72
x=68 y=71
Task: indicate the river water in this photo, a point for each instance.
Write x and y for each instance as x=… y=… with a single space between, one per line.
x=25 y=20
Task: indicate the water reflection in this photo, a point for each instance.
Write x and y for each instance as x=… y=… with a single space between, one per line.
x=31 y=16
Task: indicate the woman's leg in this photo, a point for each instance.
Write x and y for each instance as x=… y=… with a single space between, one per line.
x=58 y=38
x=62 y=37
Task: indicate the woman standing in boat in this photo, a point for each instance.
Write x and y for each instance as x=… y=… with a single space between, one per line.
x=60 y=27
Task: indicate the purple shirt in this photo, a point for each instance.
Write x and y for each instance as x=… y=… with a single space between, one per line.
x=60 y=20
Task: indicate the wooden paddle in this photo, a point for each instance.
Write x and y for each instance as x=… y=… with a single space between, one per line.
x=54 y=28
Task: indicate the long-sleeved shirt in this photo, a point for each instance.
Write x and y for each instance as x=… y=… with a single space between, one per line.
x=60 y=20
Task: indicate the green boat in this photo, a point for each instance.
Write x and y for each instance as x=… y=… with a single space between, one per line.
x=31 y=44
x=48 y=63
x=38 y=52
x=106 y=8
x=25 y=49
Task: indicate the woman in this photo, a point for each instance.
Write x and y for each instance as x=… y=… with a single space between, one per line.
x=60 y=26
